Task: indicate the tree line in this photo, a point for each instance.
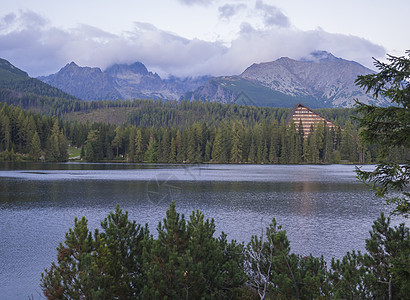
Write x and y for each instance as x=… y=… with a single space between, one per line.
x=238 y=134
x=187 y=261
x=30 y=136
x=227 y=142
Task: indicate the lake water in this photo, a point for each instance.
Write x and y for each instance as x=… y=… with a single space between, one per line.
x=324 y=209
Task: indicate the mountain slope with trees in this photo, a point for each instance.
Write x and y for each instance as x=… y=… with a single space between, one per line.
x=18 y=81
x=320 y=80
x=18 y=89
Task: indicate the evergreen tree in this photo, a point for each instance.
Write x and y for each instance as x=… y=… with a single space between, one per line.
x=276 y=274
x=152 y=150
x=388 y=127
x=70 y=277
x=165 y=144
x=173 y=152
x=180 y=147
x=348 y=146
x=139 y=146
x=164 y=263
x=123 y=264
x=284 y=142
x=35 y=147
x=188 y=262
x=91 y=148
x=319 y=134
x=217 y=149
x=57 y=149
x=236 y=144
x=383 y=272
x=328 y=145
x=193 y=146
x=53 y=149
x=252 y=152
x=6 y=141
x=117 y=141
x=293 y=140
x=208 y=151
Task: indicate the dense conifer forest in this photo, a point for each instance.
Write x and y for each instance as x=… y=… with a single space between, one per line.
x=183 y=132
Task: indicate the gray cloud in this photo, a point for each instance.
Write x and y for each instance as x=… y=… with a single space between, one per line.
x=196 y=2
x=228 y=10
x=7 y=21
x=253 y=46
x=41 y=49
x=27 y=19
x=272 y=15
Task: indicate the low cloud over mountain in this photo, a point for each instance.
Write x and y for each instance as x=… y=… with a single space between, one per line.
x=318 y=80
x=35 y=45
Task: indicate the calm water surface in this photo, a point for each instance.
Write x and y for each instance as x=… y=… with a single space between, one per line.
x=324 y=209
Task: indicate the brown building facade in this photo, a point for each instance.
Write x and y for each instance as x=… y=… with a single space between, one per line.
x=308 y=118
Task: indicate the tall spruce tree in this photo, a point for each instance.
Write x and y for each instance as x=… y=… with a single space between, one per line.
x=151 y=154
x=139 y=147
x=124 y=240
x=217 y=148
x=236 y=143
x=164 y=263
x=70 y=277
x=388 y=127
x=57 y=145
x=35 y=147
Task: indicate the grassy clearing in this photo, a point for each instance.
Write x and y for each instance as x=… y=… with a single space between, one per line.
x=74 y=153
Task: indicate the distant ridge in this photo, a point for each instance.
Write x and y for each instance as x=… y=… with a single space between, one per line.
x=120 y=81
x=318 y=80
x=15 y=83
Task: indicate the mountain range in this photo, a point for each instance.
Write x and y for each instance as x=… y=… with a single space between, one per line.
x=319 y=80
x=120 y=81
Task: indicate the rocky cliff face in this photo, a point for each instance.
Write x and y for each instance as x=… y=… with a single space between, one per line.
x=319 y=80
x=120 y=81
x=326 y=81
x=83 y=82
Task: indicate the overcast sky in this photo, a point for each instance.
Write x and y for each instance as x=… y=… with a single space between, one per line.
x=197 y=37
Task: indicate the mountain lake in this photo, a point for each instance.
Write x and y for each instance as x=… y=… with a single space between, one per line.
x=324 y=209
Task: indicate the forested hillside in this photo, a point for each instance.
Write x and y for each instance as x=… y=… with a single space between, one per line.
x=156 y=113
x=18 y=81
x=18 y=89
x=187 y=132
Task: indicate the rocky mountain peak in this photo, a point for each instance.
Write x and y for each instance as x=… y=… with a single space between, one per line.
x=135 y=68
x=73 y=68
x=318 y=80
x=321 y=79
x=72 y=65
x=119 y=81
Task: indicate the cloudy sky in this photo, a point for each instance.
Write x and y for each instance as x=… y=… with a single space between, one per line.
x=197 y=37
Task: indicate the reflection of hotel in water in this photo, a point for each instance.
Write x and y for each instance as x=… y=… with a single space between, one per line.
x=308 y=118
